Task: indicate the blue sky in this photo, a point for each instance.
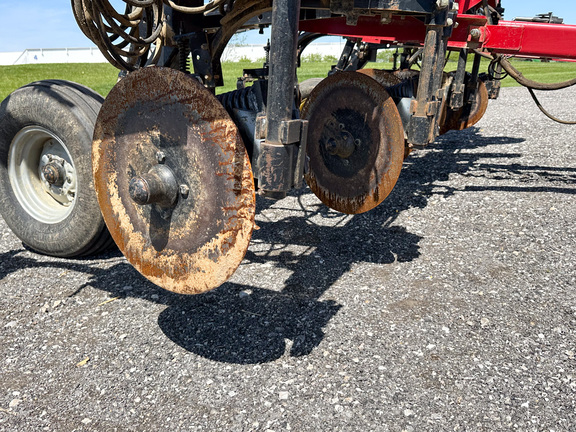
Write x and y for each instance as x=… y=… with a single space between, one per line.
x=50 y=24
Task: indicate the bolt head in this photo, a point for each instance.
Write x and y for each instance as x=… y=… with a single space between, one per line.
x=475 y=33
x=160 y=157
x=184 y=190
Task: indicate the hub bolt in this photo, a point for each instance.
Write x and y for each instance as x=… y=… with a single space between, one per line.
x=184 y=190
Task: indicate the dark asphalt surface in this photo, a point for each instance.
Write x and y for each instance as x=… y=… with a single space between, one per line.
x=451 y=307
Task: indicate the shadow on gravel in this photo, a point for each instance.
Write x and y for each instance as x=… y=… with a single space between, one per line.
x=9 y=263
x=560 y=179
x=246 y=324
x=13 y=261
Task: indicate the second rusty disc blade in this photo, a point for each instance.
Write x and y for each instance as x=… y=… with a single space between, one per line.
x=355 y=142
x=384 y=78
x=161 y=116
x=468 y=115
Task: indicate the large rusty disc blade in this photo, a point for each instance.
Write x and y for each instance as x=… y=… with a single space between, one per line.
x=355 y=142
x=163 y=122
x=469 y=114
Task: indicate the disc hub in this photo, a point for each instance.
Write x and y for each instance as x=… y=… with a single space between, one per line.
x=157 y=186
x=338 y=141
x=54 y=173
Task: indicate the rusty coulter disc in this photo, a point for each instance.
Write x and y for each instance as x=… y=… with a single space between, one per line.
x=469 y=114
x=173 y=180
x=384 y=78
x=355 y=142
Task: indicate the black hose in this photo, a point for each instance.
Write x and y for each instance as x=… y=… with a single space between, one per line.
x=546 y=113
x=531 y=85
x=526 y=82
x=136 y=37
x=125 y=39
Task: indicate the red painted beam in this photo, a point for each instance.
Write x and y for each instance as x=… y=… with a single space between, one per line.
x=557 y=41
x=402 y=29
x=466 y=5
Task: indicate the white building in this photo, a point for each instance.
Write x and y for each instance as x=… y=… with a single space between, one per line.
x=93 y=55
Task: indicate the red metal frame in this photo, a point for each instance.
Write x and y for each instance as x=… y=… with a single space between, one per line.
x=523 y=39
x=556 y=41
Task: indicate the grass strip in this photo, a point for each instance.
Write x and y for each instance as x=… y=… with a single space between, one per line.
x=101 y=77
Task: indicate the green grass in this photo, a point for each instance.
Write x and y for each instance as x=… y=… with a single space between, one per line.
x=552 y=72
x=538 y=71
x=102 y=77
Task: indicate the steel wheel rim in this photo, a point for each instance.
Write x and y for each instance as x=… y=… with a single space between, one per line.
x=31 y=150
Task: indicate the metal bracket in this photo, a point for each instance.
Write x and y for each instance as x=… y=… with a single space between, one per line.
x=202 y=59
x=301 y=161
x=458 y=86
x=346 y=8
x=290 y=131
x=342 y=7
x=281 y=167
x=457 y=97
x=422 y=127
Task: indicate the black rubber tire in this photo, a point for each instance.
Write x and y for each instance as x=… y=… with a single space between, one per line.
x=68 y=110
x=308 y=85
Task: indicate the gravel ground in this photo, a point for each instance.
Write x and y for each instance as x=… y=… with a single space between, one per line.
x=449 y=307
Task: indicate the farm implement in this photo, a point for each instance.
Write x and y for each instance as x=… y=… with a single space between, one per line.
x=168 y=170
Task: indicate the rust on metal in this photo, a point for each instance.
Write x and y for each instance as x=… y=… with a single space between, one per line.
x=468 y=115
x=355 y=143
x=196 y=243
x=388 y=79
x=54 y=173
x=384 y=78
x=408 y=74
